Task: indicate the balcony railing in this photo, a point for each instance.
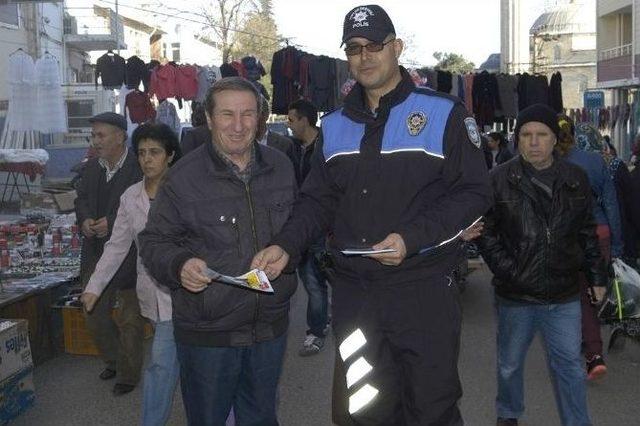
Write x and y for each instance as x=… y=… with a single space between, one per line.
x=615 y=52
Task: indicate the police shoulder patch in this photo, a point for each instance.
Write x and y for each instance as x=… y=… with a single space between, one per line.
x=472 y=131
x=416 y=122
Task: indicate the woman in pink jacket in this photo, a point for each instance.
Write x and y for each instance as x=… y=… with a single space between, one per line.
x=157 y=148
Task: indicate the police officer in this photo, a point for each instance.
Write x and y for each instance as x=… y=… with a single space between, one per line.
x=398 y=169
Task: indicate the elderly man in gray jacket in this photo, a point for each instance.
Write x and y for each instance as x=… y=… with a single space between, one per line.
x=221 y=204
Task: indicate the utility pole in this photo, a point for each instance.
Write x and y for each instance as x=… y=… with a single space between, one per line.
x=117 y=28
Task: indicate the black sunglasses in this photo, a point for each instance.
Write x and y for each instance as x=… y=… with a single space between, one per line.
x=356 y=49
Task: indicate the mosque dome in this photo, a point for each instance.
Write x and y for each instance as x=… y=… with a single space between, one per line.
x=570 y=17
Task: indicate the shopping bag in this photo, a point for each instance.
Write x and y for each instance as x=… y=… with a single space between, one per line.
x=623 y=296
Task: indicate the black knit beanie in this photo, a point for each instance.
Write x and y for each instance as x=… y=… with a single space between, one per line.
x=540 y=113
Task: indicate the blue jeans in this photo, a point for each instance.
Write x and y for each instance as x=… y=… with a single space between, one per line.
x=560 y=326
x=160 y=377
x=215 y=379
x=315 y=282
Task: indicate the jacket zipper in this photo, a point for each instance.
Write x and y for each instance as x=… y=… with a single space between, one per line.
x=255 y=250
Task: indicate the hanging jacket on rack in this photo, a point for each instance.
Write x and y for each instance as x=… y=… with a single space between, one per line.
x=555 y=92
x=139 y=106
x=163 y=82
x=227 y=70
x=186 y=82
x=444 y=81
x=240 y=68
x=136 y=71
x=253 y=68
x=146 y=78
x=485 y=98
x=111 y=69
x=321 y=81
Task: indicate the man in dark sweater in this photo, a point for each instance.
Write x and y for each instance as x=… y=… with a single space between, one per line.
x=104 y=179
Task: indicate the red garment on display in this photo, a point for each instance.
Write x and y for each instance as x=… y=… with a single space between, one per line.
x=139 y=106
x=27 y=168
x=163 y=82
x=187 y=82
x=240 y=68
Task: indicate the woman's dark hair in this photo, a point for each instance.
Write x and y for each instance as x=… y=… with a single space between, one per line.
x=607 y=141
x=198 y=117
x=160 y=133
x=498 y=136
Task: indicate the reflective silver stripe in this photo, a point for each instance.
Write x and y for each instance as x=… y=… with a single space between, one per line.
x=357 y=371
x=337 y=154
x=361 y=398
x=450 y=239
x=433 y=154
x=351 y=344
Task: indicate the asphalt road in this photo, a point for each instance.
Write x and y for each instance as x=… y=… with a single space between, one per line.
x=69 y=393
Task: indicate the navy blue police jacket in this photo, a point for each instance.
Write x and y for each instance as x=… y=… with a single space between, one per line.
x=415 y=168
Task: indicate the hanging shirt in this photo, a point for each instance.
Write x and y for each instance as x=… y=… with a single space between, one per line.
x=163 y=82
x=136 y=71
x=187 y=82
x=168 y=115
x=207 y=75
x=21 y=75
x=508 y=92
x=51 y=113
x=111 y=69
x=139 y=106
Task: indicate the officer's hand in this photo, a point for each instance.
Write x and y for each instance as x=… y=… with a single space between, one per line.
x=89 y=301
x=271 y=260
x=192 y=275
x=472 y=232
x=87 y=229
x=599 y=293
x=393 y=241
x=101 y=227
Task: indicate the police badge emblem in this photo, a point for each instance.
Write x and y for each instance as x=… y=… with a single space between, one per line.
x=416 y=122
x=472 y=131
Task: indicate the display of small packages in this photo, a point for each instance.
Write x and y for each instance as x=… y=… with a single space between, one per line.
x=252 y=280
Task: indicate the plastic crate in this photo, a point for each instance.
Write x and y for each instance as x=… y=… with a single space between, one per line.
x=77 y=339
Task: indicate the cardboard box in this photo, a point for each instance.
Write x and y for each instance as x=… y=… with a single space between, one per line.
x=17 y=394
x=65 y=201
x=15 y=350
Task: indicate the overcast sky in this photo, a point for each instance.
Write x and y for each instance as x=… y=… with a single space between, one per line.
x=467 y=27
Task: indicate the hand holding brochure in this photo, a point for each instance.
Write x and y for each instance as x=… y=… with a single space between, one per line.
x=253 y=280
x=365 y=251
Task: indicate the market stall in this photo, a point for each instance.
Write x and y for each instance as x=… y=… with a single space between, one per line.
x=39 y=261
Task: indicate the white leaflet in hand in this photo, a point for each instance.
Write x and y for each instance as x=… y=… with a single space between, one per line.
x=365 y=251
x=254 y=280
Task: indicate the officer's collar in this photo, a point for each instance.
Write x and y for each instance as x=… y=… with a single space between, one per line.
x=355 y=105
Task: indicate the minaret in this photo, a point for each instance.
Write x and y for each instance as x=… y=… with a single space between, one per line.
x=514 y=37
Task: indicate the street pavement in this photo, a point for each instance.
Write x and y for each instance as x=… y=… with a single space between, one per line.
x=69 y=392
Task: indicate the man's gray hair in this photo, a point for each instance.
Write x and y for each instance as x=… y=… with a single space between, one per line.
x=231 y=83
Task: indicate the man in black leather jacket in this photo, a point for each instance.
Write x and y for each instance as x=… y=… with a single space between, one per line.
x=538 y=236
